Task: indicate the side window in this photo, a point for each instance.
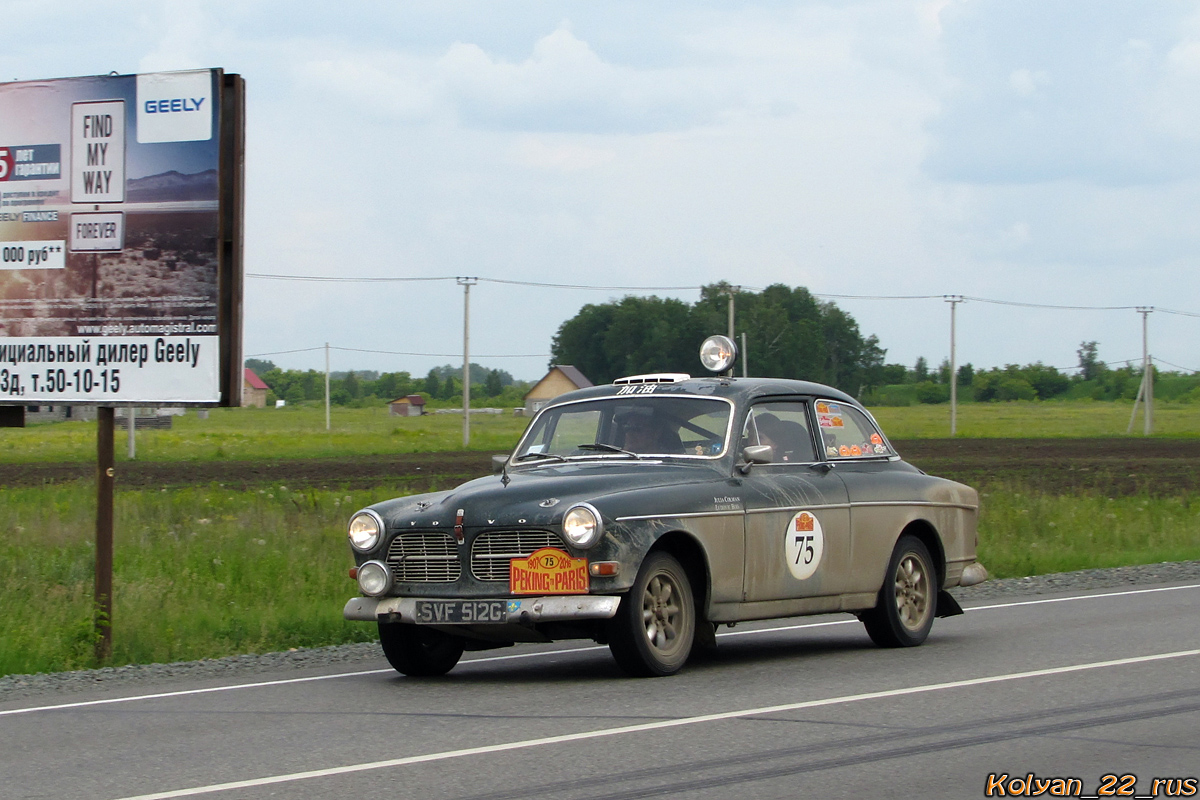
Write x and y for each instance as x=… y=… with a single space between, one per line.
x=847 y=433
x=783 y=426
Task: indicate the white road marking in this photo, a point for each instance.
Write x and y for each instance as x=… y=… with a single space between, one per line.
x=261 y=684
x=1084 y=597
x=544 y=653
x=651 y=726
x=184 y=693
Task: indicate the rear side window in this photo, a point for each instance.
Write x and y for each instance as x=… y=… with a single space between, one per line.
x=847 y=433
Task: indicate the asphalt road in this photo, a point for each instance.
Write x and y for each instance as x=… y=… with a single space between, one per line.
x=1067 y=686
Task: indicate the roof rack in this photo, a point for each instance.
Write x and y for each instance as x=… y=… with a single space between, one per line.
x=657 y=377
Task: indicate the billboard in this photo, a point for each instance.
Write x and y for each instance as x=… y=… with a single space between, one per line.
x=120 y=239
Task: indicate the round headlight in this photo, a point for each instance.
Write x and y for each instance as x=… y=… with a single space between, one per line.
x=718 y=353
x=374 y=578
x=365 y=529
x=582 y=525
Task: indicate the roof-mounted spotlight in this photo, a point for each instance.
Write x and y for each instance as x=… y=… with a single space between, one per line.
x=718 y=353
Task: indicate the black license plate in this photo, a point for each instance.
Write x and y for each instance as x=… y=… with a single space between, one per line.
x=434 y=612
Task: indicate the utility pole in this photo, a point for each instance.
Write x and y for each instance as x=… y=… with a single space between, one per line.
x=1146 y=389
x=327 y=387
x=745 y=357
x=953 y=300
x=467 y=283
x=731 y=291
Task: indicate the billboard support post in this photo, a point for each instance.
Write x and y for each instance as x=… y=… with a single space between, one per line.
x=105 y=475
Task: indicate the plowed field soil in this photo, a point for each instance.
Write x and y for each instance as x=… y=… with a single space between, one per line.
x=1059 y=466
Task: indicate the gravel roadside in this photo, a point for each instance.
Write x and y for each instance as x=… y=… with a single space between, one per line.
x=16 y=687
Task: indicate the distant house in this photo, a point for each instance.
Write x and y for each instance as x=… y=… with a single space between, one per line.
x=561 y=378
x=412 y=405
x=254 y=391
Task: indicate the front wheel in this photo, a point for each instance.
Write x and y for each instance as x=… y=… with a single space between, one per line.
x=652 y=632
x=418 y=651
x=907 y=603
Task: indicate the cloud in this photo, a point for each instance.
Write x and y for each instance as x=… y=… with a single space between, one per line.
x=1045 y=91
x=533 y=152
x=563 y=85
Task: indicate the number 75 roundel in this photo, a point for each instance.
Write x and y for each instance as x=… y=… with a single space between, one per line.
x=803 y=544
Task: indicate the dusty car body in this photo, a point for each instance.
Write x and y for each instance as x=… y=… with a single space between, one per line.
x=754 y=498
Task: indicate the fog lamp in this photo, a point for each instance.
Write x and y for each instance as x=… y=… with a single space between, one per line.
x=374 y=578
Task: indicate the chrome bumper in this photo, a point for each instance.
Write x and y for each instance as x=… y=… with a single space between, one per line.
x=522 y=610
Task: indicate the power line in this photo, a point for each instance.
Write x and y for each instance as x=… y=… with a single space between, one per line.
x=591 y=287
x=393 y=353
x=601 y=288
x=881 y=296
x=342 y=279
x=1176 y=366
x=1047 y=305
x=396 y=279
x=439 y=355
x=284 y=352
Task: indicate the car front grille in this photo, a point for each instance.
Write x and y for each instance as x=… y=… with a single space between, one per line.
x=424 y=557
x=493 y=550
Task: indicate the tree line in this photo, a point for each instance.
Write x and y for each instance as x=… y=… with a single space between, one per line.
x=789 y=334
x=1092 y=379
x=362 y=388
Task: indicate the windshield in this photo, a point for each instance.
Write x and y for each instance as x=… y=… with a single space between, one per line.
x=629 y=427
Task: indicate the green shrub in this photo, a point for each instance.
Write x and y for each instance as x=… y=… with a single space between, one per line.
x=930 y=392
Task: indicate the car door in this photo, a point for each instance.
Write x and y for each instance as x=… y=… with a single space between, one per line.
x=797 y=509
x=881 y=490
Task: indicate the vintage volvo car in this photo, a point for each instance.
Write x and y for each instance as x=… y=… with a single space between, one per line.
x=645 y=513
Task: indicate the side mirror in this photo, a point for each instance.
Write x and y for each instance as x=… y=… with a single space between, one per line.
x=498 y=463
x=756 y=454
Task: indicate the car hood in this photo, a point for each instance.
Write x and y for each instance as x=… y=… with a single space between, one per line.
x=539 y=496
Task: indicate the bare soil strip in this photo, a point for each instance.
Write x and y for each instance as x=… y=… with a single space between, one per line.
x=1058 y=466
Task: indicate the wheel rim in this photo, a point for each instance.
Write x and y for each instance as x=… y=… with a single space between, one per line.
x=662 y=613
x=912 y=592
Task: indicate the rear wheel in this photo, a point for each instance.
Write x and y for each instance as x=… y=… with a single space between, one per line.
x=418 y=651
x=652 y=632
x=907 y=603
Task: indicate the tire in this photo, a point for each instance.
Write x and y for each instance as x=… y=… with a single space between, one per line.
x=655 y=625
x=907 y=603
x=418 y=651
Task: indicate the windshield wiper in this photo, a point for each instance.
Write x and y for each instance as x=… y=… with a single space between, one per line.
x=528 y=456
x=607 y=448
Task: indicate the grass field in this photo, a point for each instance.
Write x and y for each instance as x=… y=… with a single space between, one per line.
x=198 y=573
x=1035 y=419
x=252 y=433
x=206 y=571
x=299 y=432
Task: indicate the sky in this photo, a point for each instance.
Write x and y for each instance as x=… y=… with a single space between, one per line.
x=1025 y=152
